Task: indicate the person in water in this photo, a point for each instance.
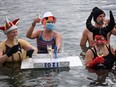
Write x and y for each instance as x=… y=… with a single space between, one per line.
x=101 y=23
x=101 y=55
x=46 y=36
x=12 y=49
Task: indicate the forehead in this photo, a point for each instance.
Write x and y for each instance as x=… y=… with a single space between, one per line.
x=101 y=15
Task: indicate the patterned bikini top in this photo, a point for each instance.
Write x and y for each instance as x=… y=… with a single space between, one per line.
x=42 y=44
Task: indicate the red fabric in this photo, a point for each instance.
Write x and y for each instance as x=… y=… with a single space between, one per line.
x=96 y=61
x=9 y=24
x=2 y=28
x=98 y=39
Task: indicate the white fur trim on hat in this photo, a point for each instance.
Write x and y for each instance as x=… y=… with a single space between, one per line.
x=11 y=28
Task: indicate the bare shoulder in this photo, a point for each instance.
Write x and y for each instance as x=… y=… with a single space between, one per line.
x=86 y=31
x=20 y=40
x=2 y=47
x=57 y=34
x=2 y=44
x=37 y=33
x=89 y=51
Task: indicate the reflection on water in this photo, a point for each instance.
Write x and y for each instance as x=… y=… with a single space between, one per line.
x=71 y=16
x=43 y=77
x=57 y=77
x=104 y=77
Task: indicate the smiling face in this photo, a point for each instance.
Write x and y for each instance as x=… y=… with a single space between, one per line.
x=100 y=19
x=12 y=34
x=99 y=40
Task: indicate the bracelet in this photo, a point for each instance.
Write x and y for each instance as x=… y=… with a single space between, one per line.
x=33 y=24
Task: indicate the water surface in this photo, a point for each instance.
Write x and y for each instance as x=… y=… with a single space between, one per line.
x=71 y=16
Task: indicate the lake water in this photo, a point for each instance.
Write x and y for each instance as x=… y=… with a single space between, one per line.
x=71 y=16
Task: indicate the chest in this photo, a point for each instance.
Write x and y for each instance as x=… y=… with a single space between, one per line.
x=47 y=37
x=103 y=51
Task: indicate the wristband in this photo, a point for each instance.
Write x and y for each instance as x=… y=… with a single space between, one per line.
x=33 y=24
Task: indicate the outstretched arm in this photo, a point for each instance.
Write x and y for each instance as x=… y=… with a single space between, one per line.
x=27 y=46
x=58 y=39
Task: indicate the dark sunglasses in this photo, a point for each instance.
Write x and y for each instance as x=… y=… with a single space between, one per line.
x=49 y=21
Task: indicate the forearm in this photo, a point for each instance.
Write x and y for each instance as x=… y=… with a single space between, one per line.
x=58 y=41
x=3 y=58
x=83 y=47
x=30 y=31
x=58 y=47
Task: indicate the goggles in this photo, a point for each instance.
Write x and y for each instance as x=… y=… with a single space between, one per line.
x=49 y=21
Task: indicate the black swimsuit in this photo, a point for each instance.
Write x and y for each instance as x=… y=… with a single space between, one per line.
x=9 y=64
x=109 y=59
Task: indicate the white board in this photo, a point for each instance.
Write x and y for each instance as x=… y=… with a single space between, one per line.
x=40 y=61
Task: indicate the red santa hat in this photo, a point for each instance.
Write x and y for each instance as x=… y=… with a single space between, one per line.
x=9 y=26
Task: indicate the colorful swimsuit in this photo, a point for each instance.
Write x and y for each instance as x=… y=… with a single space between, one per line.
x=42 y=44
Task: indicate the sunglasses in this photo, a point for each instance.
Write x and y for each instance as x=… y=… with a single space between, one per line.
x=49 y=21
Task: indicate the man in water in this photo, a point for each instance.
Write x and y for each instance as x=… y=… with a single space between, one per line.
x=87 y=36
